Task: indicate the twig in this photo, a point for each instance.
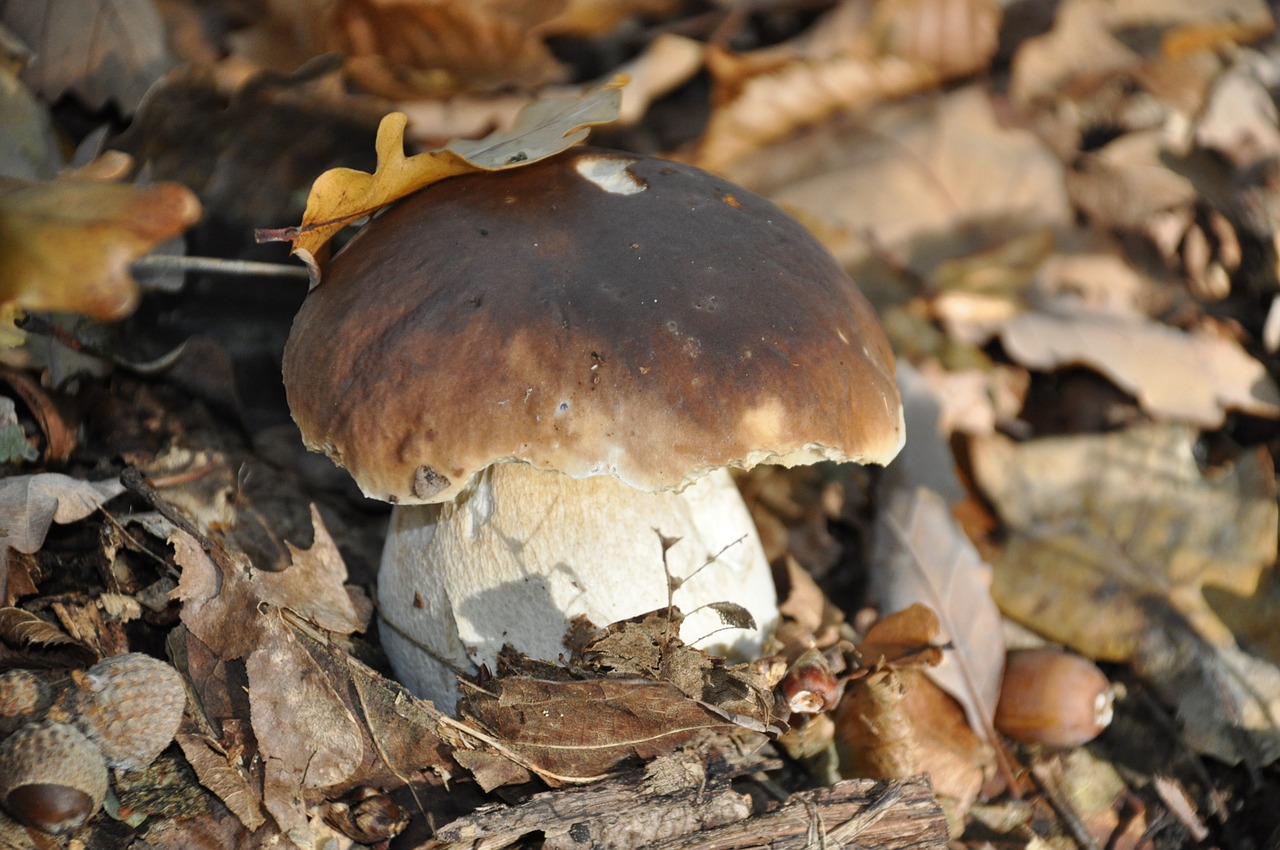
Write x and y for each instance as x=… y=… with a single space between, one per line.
x=162 y=263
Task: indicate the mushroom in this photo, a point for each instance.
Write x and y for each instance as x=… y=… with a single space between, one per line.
x=550 y=369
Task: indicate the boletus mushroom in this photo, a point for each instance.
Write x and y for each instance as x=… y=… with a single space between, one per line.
x=549 y=369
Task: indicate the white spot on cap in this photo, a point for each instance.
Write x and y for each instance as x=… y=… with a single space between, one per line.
x=610 y=173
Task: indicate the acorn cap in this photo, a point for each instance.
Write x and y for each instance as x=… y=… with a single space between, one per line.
x=24 y=696
x=596 y=313
x=129 y=705
x=52 y=777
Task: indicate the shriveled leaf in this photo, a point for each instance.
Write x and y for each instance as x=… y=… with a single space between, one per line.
x=923 y=556
x=1185 y=377
x=1120 y=578
x=341 y=196
x=732 y=615
x=67 y=245
x=578 y=730
x=31 y=503
x=22 y=628
x=103 y=52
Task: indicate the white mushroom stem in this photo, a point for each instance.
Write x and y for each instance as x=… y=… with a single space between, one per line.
x=522 y=552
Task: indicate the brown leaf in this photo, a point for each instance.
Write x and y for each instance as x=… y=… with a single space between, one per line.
x=579 y=730
x=110 y=51
x=307 y=737
x=1175 y=375
x=219 y=604
x=923 y=556
x=212 y=766
x=410 y=49
x=1121 y=579
x=314 y=586
x=906 y=638
x=859 y=53
x=340 y=196
x=27 y=632
x=919 y=182
x=67 y=245
x=31 y=503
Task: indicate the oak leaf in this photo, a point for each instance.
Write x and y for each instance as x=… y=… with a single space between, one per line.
x=342 y=196
x=66 y=245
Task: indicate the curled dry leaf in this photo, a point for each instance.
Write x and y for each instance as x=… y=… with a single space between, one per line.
x=67 y=244
x=1175 y=375
x=341 y=196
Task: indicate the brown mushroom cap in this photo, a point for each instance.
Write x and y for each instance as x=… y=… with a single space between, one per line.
x=597 y=313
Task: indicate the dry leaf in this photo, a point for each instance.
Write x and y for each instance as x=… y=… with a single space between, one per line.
x=307 y=737
x=31 y=503
x=1094 y=39
x=1128 y=184
x=341 y=196
x=107 y=51
x=314 y=586
x=860 y=52
x=921 y=182
x=26 y=631
x=1185 y=377
x=923 y=556
x=1120 y=578
x=67 y=245
x=581 y=730
x=410 y=49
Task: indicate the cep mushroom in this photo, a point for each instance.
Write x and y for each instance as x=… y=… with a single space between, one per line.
x=545 y=368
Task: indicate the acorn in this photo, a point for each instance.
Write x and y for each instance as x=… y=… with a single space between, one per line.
x=1053 y=697
x=52 y=777
x=24 y=697
x=129 y=705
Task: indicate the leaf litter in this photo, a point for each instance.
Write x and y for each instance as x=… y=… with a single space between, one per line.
x=1127 y=514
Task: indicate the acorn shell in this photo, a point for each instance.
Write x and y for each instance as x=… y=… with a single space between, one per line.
x=1052 y=697
x=52 y=777
x=129 y=705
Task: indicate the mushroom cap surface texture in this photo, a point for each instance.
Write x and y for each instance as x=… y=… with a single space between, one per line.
x=597 y=313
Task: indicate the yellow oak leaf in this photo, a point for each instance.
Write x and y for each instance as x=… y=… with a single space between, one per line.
x=66 y=245
x=342 y=196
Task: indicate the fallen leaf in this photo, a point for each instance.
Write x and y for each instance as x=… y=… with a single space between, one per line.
x=1175 y=375
x=1121 y=579
x=1095 y=40
x=31 y=503
x=67 y=245
x=25 y=637
x=107 y=52
x=341 y=196
x=919 y=182
x=314 y=586
x=307 y=737
x=860 y=52
x=923 y=556
x=410 y=49
x=578 y=731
